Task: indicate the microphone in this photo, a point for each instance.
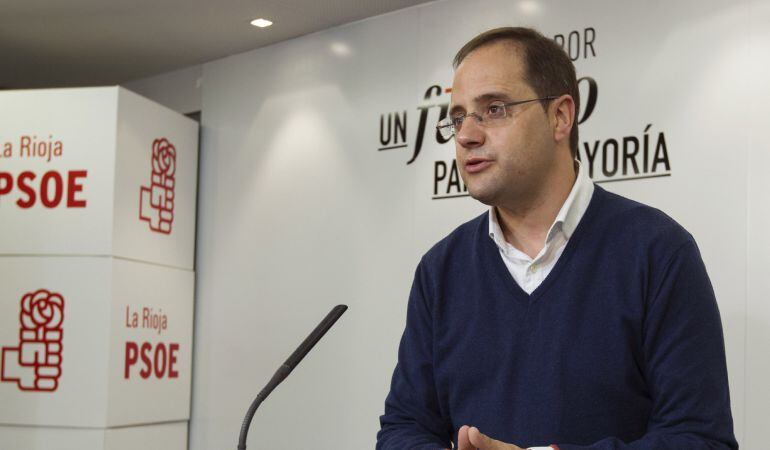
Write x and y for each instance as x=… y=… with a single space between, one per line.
x=288 y=366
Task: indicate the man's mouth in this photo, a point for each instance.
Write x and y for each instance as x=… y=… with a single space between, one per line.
x=475 y=165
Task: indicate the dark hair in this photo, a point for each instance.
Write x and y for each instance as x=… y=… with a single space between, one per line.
x=549 y=71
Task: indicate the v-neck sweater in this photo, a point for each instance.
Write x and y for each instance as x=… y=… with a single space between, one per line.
x=530 y=272
x=620 y=347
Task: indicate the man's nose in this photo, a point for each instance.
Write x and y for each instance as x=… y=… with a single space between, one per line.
x=471 y=133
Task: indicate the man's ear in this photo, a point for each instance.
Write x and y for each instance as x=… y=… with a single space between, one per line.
x=563 y=117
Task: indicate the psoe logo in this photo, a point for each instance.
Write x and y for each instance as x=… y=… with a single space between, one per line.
x=35 y=363
x=156 y=201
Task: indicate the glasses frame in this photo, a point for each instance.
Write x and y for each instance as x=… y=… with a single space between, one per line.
x=449 y=122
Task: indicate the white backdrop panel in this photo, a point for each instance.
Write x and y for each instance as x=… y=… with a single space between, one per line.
x=756 y=117
x=281 y=243
x=300 y=211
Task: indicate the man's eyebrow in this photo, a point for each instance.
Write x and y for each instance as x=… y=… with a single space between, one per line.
x=489 y=96
x=481 y=99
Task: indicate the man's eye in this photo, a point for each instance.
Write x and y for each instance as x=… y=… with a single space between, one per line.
x=496 y=110
x=457 y=120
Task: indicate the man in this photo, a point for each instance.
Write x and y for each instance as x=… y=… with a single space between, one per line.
x=566 y=317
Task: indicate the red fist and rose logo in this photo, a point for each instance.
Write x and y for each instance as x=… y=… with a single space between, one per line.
x=35 y=365
x=156 y=202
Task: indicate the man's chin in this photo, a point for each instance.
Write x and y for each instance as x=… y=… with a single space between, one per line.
x=485 y=197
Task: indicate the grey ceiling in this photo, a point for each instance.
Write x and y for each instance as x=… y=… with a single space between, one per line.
x=45 y=43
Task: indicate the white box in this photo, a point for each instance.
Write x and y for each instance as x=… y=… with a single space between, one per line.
x=125 y=349
x=166 y=436
x=97 y=171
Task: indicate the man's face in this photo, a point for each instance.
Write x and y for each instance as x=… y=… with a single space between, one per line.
x=508 y=163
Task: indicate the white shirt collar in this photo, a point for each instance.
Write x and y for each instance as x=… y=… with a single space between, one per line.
x=567 y=219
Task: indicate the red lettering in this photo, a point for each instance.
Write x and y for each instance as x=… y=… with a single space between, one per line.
x=156 y=359
x=147 y=370
x=131 y=357
x=160 y=366
x=8 y=178
x=24 y=177
x=52 y=188
x=25 y=140
x=45 y=189
x=172 y=349
x=73 y=187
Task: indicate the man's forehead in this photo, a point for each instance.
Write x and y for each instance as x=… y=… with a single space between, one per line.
x=495 y=68
x=503 y=47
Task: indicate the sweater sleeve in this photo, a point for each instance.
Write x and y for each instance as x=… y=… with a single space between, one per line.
x=412 y=418
x=685 y=364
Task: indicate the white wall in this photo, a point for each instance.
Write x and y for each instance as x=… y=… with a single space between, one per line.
x=299 y=211
x=179 y=90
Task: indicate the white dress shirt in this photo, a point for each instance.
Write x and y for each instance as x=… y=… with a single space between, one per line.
x=530 y=272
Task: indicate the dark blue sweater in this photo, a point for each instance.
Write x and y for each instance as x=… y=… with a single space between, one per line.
x=620 y=347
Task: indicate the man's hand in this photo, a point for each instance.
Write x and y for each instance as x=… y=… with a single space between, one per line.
x=470 y=438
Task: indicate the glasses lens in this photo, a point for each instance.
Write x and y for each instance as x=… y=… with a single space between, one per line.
x=446 y=128
x=495 y=111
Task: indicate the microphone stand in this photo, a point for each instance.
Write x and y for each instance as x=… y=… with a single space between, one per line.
x=288 y=366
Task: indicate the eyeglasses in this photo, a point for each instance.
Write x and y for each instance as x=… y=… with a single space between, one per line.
x=494 y=115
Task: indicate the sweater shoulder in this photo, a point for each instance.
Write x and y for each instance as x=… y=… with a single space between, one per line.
x=636 y=221
x=460 y=241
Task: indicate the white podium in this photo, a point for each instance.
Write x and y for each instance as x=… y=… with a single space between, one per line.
x=97 y=202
